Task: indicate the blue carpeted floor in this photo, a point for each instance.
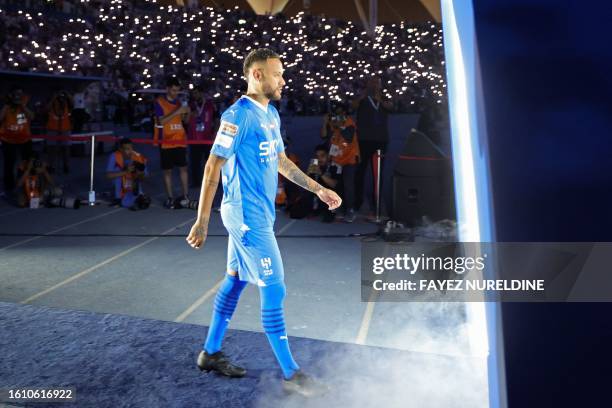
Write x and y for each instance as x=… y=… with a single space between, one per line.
x=122 y=361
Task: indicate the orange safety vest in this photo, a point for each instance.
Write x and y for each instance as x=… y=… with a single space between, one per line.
x=16 y=127
x=342 y=151
x=173 y=130
x=127 y=181
x=32 y=187
x=59 y=123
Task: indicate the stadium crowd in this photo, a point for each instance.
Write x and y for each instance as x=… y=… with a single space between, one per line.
x=331 y=66
x=139 y=43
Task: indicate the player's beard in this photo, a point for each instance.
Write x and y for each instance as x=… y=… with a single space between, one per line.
x=271 y=93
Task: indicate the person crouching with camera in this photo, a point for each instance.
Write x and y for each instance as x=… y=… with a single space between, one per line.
x=325 y=173
x=340 y=130
x=128 y=169
x=36 y=188
x=304 y=203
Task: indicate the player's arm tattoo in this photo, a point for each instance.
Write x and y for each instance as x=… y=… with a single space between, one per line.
x=292 y=172
x=210 y=182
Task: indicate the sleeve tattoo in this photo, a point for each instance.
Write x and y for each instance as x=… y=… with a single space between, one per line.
x=292 y=172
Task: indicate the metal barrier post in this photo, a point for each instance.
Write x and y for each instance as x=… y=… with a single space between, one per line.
x=378 y=159
x=92 y=193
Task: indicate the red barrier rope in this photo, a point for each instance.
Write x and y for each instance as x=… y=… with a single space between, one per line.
x=401 y=157
x=108 y=138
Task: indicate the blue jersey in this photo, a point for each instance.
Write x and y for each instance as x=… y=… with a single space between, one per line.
x=249 y=138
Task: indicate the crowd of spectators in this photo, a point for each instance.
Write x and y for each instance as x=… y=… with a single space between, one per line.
x=136 y=44
x=331 y=66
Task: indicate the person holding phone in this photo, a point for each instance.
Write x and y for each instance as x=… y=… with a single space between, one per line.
x=15 y=119
x=170 y=112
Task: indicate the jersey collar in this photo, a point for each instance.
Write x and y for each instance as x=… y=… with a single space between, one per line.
x=265 y=109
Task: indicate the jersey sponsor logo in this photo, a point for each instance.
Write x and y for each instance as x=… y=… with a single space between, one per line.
x=267 y=148
x=267 y=151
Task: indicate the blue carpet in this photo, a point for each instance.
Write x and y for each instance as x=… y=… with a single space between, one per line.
x=124 y=361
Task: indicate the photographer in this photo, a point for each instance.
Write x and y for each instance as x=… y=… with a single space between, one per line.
x=59 y=124
x=326 y=174
x=15 y=135
x=344 y=153
x=128 y=169
x=36 y=187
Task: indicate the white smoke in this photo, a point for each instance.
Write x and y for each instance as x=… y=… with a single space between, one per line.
x=414 y=355
x=418 y=358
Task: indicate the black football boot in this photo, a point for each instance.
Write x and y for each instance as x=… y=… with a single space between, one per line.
x=218 y=362
x=305 y=385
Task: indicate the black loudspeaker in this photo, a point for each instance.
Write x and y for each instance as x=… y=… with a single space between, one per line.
x=422 y=182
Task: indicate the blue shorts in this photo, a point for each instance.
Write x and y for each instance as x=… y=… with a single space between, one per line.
x=254 y=254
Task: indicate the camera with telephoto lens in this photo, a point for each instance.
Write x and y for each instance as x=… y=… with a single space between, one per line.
x=314 y=164
x=36 y=164
x=139 y=166
x=64 y=202
x=186 y=203
x=142 y=202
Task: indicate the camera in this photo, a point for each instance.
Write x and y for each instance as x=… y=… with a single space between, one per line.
x=186 y=203
x=64 y=202
x=311 y=171
x=36 y=164
x=313 y=163
x=142 y=202
x=139 y=166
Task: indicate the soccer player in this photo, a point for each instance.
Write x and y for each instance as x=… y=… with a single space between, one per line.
x=249 y=151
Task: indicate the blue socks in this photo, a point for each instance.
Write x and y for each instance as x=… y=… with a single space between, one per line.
x=272 y=318
x=225 y=304
x=273 y=322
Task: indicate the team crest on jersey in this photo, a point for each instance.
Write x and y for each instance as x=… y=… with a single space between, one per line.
x=266 y=263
